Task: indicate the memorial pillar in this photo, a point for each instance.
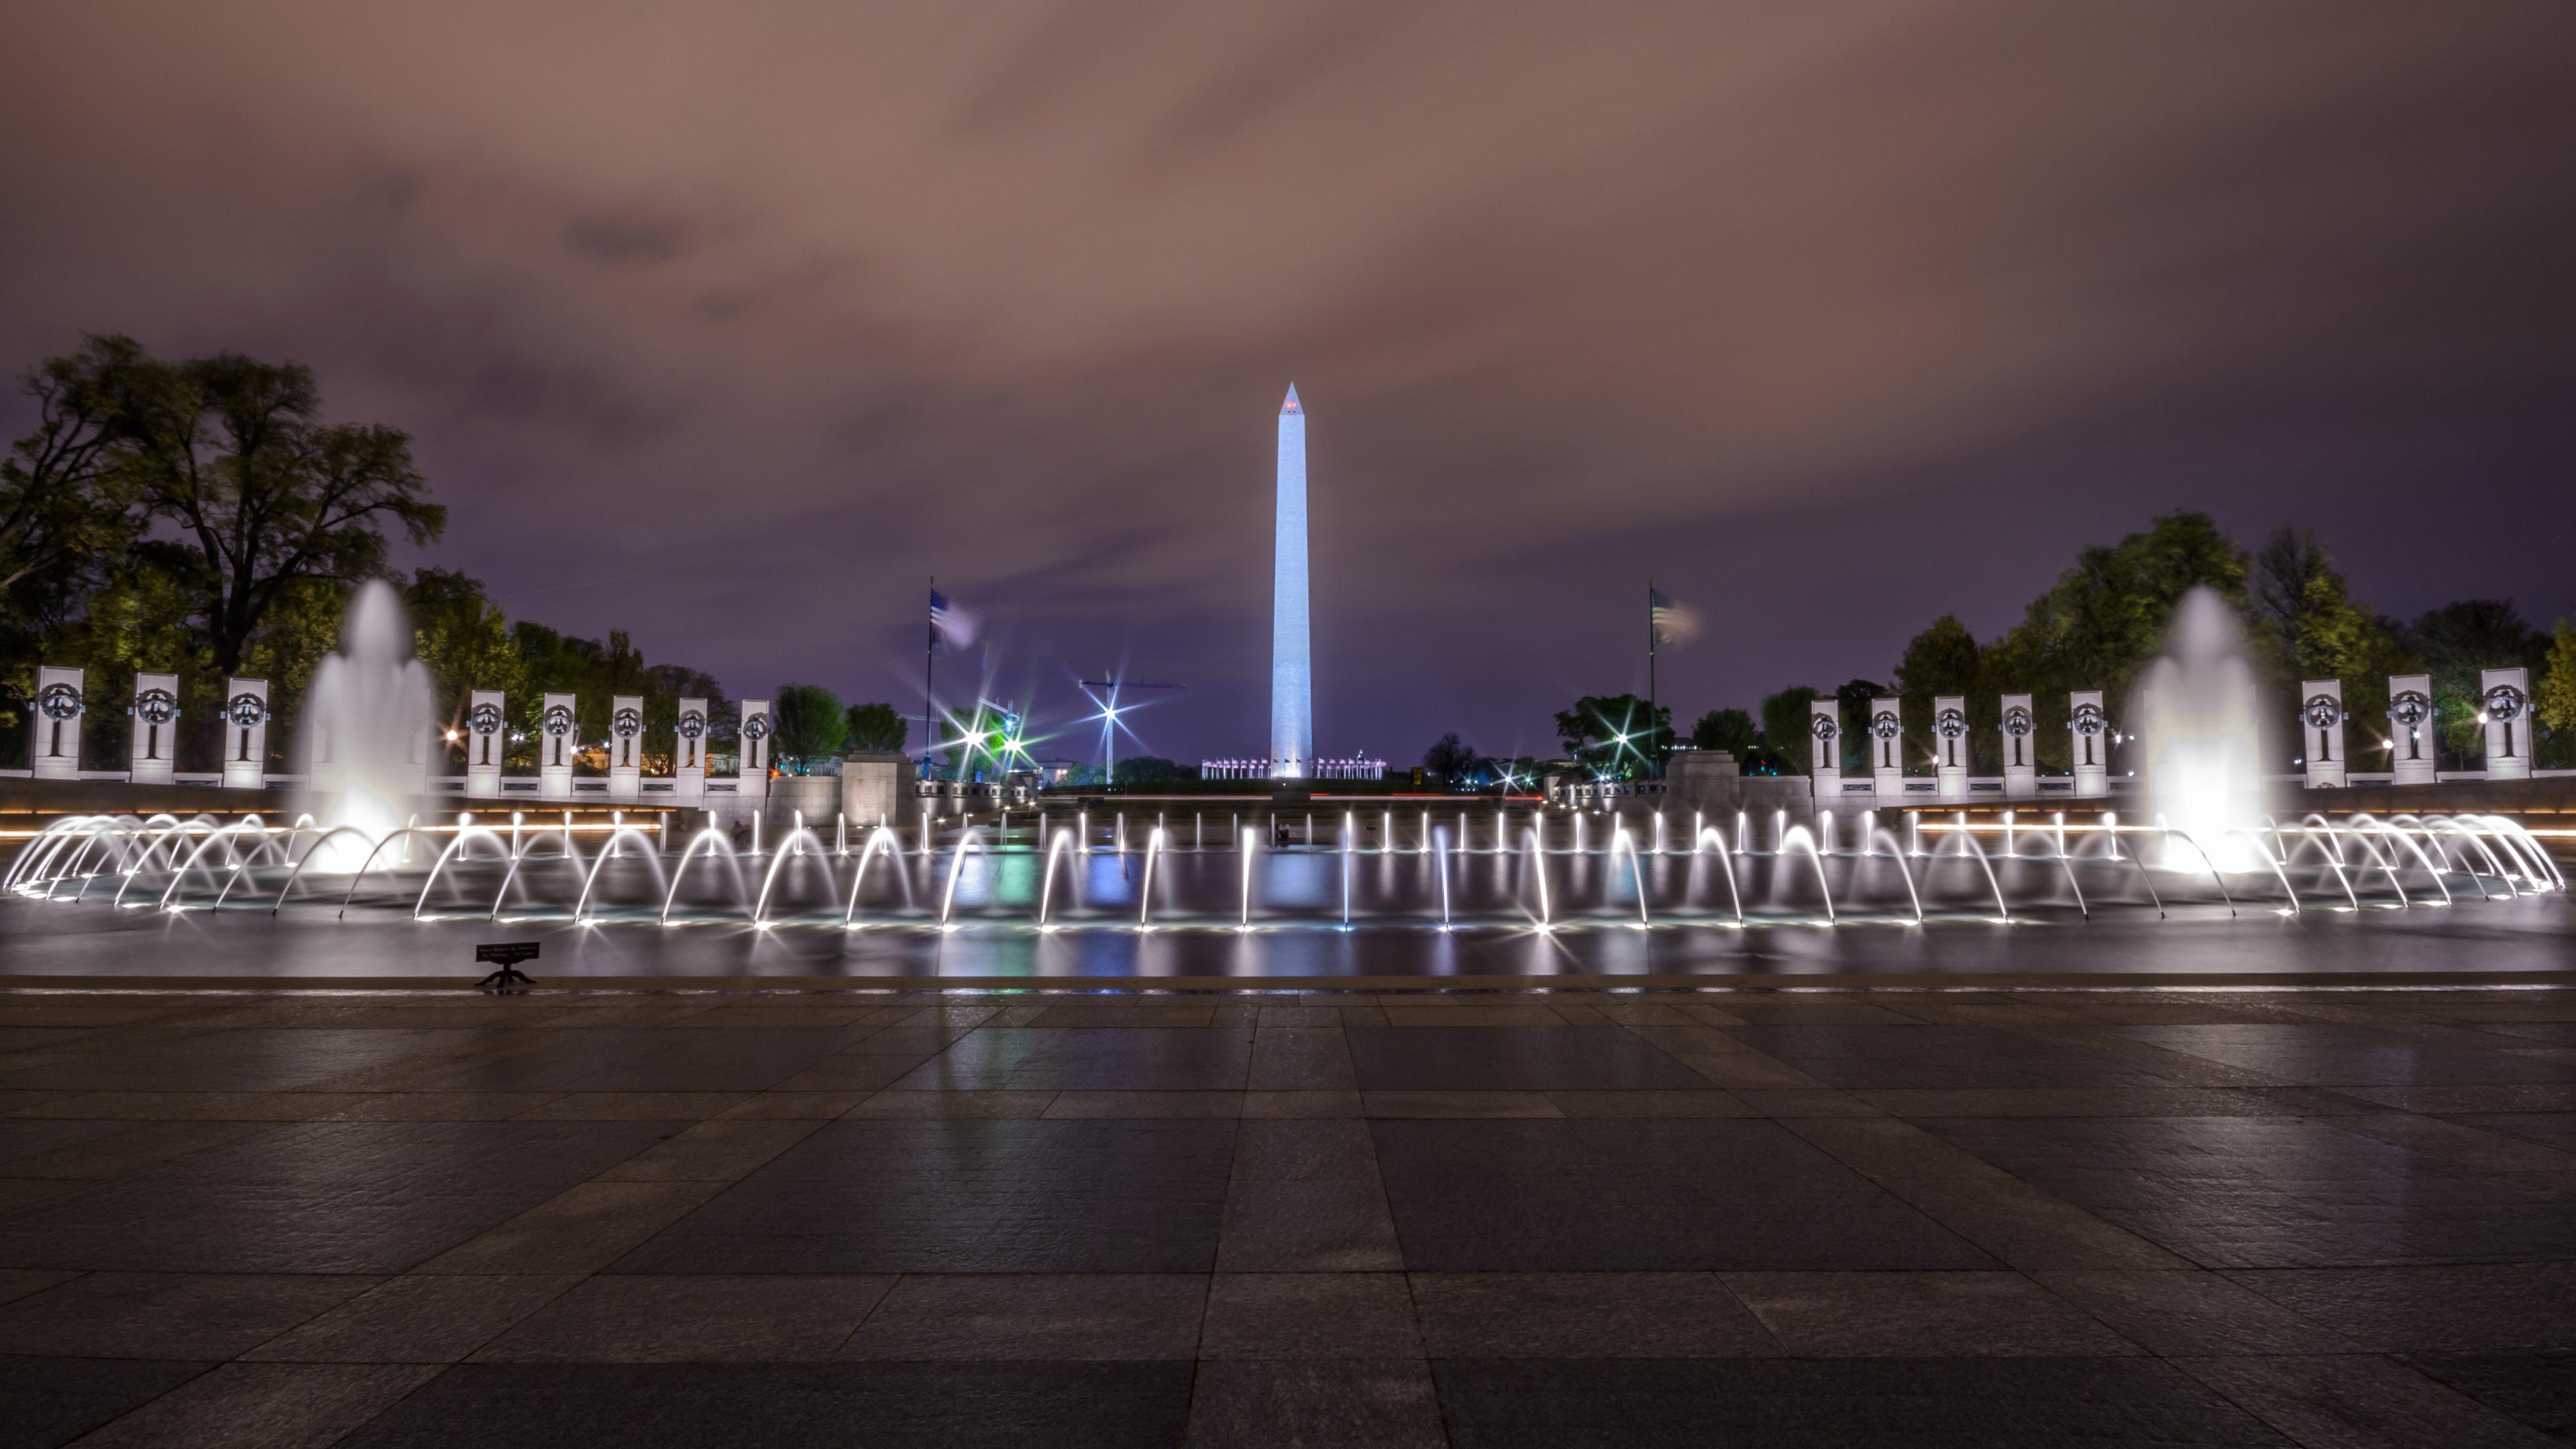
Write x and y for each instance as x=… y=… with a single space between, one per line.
x=153 y=757
x=2090 y=731
x=689 y=752
x=555 y=746
x=245 y=734
x=1950 y=746
x=2321 y=734
x=2412 y=755
x=484 y=745
x=54 y=750
x=1824 y=728
x=1886 y=746
x=753 y=783
x=2021 y=763
x=2506 y=697
x=625 y=746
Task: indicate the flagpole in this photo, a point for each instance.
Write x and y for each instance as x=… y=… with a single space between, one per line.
x=929 y=648
x=1654 y=763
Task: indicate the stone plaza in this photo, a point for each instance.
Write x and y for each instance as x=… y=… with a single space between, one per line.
x=1977 y=1215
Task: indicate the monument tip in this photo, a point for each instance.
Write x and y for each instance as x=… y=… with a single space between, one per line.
x=1292 y=405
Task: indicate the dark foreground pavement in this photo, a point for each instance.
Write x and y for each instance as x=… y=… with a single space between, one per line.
x=1955 y=1217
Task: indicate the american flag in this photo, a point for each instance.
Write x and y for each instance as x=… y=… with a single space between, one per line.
x=949 y=623
x=1672 y=623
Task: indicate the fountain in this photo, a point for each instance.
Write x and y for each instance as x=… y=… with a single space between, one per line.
x=367 y=714
x=2195 y=710
x=2204 y=836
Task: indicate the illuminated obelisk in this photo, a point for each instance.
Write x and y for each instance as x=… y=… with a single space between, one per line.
x=1292 y=681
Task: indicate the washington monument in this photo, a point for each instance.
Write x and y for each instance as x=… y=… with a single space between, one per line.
x=1292 y=680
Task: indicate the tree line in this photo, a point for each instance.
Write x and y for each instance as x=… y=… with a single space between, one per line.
x=2105 y=618
x=203 y=517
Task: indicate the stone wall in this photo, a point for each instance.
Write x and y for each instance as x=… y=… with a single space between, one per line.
x=877 y=786
x=1708 y=782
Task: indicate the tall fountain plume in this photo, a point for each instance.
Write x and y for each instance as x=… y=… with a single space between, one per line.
x=2196 y=710
x=366 y=729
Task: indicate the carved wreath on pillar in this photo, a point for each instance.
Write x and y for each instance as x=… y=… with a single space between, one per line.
x=755 y=727
x=484 y=718
x=628 y=723
x=1886 y=726
x=59 y=702
x=1823 y=727
x=2089 y=719
x=2017 y=722
x=246 y=710
x=2410 y=708
x=2322 y=712
x=1951 y=723
x=693 y=725
x=2504 y=704
x=156 y=706
x=558 y=720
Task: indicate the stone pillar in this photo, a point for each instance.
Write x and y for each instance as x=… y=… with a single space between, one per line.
x=245 y=734
x=1886 y=750
x=1950 y=746
x=2090 y=730
x=555 y=746
x=54 y=749
x=2412 y=755
x=625 y=746
x=2021 y=760
x=689 y=752
x=2321 y=734
x=1707 y=781
x=2506 y=697
x=1824 y=727
x=753 y=783
x=874 y=787
x=154 y=757
x=485 y=718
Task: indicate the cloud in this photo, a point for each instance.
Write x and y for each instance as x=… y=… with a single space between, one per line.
x=800 y=301
x=618 y=241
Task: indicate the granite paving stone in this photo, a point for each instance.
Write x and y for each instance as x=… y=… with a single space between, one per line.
x=793 y=1406
x=967 y=1195
x=1249 y=1217
x=265 y=1406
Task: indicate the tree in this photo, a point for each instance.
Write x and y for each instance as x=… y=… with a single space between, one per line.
x=1449 y=758
x=1784 y=725
x=2454 y=643
x=2106 y=617
x=1618 y=735
x=262 y=493
x=2553 y=698
x=139 y=621
x=665 y=685
x=301 y=626
x=462 y=638
x=877 y=727
x=1944 y=659
x=2305 y=626
x=1142 y=770
x=1731 y=730
x=809 y=726
x=1851 y=707
x=66 y=507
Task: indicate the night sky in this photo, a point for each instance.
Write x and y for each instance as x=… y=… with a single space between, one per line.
x=728 y=324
